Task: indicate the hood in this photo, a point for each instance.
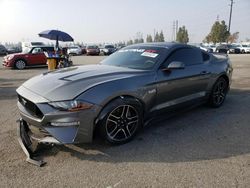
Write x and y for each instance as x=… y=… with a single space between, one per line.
x=68 y=83
x=21 y=53
x=14 y=54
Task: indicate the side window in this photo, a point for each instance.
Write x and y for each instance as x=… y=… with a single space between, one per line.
x=205 y=57
x=189 y=56
x=36 y=50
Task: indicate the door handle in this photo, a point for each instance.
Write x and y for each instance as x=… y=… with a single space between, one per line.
x=204 y=72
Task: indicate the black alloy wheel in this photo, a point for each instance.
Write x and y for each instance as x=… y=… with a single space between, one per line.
x=219 y=92
x=121 y=123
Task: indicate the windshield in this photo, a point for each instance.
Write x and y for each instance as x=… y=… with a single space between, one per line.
x=135 y=57
x=109 y=46
x=92 y=47
x=74 y=47
x=26 y=50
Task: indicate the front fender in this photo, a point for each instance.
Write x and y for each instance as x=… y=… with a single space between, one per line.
x=142 y=88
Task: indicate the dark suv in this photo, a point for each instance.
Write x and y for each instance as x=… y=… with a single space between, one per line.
x=30 y=57
x=108 y=49
x=228 y=49
x=3 y=50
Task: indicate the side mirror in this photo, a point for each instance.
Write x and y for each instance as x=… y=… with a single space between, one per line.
x=176 y=65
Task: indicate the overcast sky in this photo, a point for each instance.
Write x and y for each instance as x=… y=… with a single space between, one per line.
x=117 y=20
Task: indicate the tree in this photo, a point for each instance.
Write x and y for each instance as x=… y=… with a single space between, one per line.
x=139 y=38
x=136 y=41
x=161 y=37
x=233 y=38
x=218 y=33
x=129 y=42
x=182 y=35
x=149 y=38
x=208 y=39
x=120 y=43
x=156 y=37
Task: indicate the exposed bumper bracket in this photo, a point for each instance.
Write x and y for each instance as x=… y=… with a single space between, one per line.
x=25 y=142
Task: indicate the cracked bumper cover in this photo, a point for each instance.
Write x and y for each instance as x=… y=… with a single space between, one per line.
x=63 y=126
x=81 y=133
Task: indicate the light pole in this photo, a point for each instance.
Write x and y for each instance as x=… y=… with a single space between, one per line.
x=230 y=17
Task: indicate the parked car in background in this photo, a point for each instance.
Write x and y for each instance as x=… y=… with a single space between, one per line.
x=74 y=50
x=92 y=50
x=3 y=50
x=243 y=48
x=120 y=47
x=212 y=46
x=228 y=49
x=28 y=45
x=13 y=50
x=31 y=57
x=206 y=48
x=83 y=49
x=108 y=49
x=202 y=47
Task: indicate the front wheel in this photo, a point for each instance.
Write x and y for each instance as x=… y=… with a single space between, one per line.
x=121 y=123
x=219 y=92
x=20 y=64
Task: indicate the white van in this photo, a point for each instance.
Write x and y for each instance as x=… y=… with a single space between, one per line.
x=26 y=45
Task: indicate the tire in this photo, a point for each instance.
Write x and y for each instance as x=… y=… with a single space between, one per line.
x=243 y=51
x=219 y=92
x=20 y=64
x=121 y=122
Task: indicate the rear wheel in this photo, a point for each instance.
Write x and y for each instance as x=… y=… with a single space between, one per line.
x=20 y=64
x=122 y=122
x=219 y=93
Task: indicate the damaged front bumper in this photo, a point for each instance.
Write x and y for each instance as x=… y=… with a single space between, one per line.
x=29 y=136
x=42 y=123
x=25 y=140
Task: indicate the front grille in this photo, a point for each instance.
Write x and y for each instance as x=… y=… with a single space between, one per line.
x=30 y=107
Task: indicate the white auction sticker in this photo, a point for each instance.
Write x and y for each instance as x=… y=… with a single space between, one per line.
x=149 y=54
x=132 y=50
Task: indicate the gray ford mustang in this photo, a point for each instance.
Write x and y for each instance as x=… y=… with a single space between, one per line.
x=121 y=94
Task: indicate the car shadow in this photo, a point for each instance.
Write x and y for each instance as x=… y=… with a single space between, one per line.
x=200 y=134
x=8 y=88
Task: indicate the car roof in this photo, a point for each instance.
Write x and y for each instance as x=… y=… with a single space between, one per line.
x=42 y=47
x=163 y=44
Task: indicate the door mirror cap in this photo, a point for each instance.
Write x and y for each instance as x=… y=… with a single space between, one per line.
x=176 y=65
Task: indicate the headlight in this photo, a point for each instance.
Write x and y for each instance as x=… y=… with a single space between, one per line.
x=10 y=57
x=71 y=106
